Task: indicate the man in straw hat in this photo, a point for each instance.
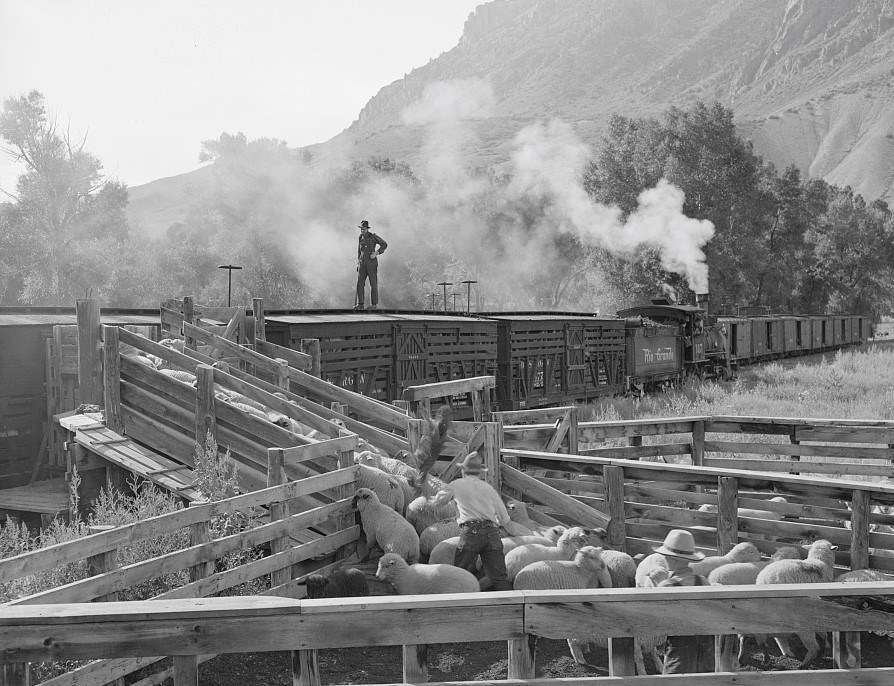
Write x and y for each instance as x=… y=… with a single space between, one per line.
x=481 y=513
x=369 y=247
x=685 y=654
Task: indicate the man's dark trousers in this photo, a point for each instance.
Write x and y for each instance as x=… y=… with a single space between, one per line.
x=368 y=269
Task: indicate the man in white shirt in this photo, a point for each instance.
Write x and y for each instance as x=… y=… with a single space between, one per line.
x=481 y=513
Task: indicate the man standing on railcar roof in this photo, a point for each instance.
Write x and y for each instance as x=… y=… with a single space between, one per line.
x=369 y=247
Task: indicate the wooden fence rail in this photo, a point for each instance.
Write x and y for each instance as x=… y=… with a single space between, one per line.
x=187 y=629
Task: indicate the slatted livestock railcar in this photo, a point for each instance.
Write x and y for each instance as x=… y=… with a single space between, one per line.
x=551 y=358
x=380 y=353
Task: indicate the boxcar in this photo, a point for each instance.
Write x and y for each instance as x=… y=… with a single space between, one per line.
x=379 y=354
x=761 y=337
x=738 y=332
x=554 y=358
x=28 y=396
x=796 y=334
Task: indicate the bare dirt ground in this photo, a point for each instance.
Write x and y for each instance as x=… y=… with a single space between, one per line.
x=467 y=661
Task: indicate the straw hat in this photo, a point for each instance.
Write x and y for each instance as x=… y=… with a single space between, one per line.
x=679 y=543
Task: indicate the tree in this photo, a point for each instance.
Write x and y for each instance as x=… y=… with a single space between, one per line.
x=62 y=201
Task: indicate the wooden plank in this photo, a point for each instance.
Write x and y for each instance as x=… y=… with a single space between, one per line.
x=446 y=389
x=800 y=449
x=798 y=467
x=296 y=359
x=112 y=379
x=334 y=446
x=631 y=452
x=528 y=485
x=633 y=427
x=89 y=352
x=845 y=434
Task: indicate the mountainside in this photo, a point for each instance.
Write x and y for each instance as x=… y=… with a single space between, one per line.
x=811 y=82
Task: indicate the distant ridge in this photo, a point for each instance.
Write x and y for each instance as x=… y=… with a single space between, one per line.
x=811 y=82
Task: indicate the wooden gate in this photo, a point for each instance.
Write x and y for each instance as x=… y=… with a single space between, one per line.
x=410 y=357
x=575 y=364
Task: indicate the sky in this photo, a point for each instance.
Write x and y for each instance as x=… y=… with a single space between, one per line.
x=147 y=81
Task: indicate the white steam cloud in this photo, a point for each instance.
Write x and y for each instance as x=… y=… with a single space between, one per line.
x=549 y=161
x=463 y=225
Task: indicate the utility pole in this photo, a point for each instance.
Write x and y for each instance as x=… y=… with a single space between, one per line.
x=468 y=283
x=229 y=268
x=454 y=294
x=433 y=296
x=445 y=284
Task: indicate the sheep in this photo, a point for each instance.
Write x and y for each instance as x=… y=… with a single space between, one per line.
x=817 y=568
x=385 y=527
x=445 y=551
x=651 y=571
x=179 y=375
x=570 y=542
x=621 y=567
x=741 y=573
x=418 y=579
x=745 y=573
x=434 y=534
x=386 y=464
x=422 y=514
x=172 y=343
x=343 y=583
x=741 y=552
x=586 y=570
x=385 y=486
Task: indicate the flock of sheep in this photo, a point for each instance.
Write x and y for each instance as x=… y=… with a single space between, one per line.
x=418 y=541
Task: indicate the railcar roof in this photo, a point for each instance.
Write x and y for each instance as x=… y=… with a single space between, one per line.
x=672 y=311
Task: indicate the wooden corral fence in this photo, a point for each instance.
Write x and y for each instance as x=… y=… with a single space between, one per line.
x=299 y=544
x=190 y=629
x=850 y=447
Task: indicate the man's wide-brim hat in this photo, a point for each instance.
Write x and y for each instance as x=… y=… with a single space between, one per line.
x=363 y=225
x=679 y=543
x=473 y=463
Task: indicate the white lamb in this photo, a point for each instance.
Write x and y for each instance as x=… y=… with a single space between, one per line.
x=384 y=485
x=422 y=514
x=741 y=552
x=621 y=567
x=421 y=579
x=819 y=567
x=586 y=570
x=651 y=571
x=432 y=535
x=385 y=527
x=569 y=543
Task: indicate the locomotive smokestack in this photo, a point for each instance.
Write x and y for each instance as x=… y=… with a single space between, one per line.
x=702 y=299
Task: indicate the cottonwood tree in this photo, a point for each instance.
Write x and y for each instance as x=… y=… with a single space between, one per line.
x=62 y=204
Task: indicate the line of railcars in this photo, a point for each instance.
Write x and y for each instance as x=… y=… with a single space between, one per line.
x=537 y=358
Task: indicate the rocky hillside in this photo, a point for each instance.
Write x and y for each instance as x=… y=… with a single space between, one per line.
x=810 y=82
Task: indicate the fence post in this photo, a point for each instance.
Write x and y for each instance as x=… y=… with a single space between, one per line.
x=846 y=649
x=613 y=478
x=257 y=309
x=510 y=460
x=725 y=657
x=521 y=660
x=282 y=374
x=490 y=452
x=200 y=532
x=620 y=657
x=189 y=318
x=275 y=477
x=186 y=670
x=311 y=346
x=111 y=379
x=573 y=431
x=305 y=668
x=698 y=443
x=415 y=664
x=103 y=562
x=89 y=354
x=206 y=415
